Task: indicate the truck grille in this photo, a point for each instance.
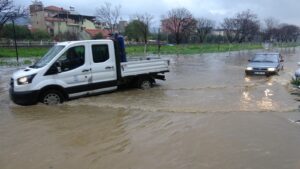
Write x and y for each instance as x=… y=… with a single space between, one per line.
x=260 y=69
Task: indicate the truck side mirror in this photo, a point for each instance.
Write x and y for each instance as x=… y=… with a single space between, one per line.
x=54 y=69
x=57 y=65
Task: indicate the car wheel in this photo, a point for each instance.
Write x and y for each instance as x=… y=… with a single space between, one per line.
x=52 y=97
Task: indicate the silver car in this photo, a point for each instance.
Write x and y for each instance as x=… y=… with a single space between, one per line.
x=265 y=64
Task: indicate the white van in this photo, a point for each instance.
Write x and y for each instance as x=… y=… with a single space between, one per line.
x=79 y=68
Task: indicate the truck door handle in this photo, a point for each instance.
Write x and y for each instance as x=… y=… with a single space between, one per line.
x=85 y=70
x=109 y=67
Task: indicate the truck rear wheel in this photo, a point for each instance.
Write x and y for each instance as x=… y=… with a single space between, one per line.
x=145 y=83
x=52 y=97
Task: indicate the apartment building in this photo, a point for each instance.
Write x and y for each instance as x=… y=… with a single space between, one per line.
x=56 y=20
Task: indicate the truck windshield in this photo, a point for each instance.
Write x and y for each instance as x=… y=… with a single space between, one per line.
x=48 y=56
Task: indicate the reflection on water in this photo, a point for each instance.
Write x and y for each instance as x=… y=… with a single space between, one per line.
x=246 y=96
x=251 y=97
x=247 y=79
x=266 y=104
x=270 y=83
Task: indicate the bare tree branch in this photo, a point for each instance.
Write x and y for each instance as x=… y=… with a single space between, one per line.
x=288 y=33
x=109 y=15
x=144 y=26
x=204 y=27
x=270 y=29
x=9 y=12
x=243 y=27
x=179 y=22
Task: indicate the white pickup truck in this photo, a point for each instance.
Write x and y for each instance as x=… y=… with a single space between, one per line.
x=79 y=68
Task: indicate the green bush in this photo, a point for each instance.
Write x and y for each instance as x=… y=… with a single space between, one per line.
x=40 y=35
x=295 y=82
x=22 y=32
x=66 y=36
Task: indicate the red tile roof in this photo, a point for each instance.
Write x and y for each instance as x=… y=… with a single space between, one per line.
x=94 y=32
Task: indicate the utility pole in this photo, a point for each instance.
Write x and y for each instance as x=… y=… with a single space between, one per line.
x=158 y=40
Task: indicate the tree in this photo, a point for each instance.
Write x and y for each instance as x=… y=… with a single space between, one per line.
x=204 y=27
x=230 y=28
x=144 y=25
x=179 y=22
x=270 y=30
x=67 y=36
x=22 y=32
x=109 y=15
x=9 y=12
x=243 y=27
x=133 y=32
x=288 y=33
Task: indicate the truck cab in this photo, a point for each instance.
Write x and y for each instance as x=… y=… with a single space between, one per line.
x=78 y=68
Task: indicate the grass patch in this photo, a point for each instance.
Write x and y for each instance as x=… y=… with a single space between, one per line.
x=27 y=62
x=23 y=52
x=153 y=49
x=295 y=82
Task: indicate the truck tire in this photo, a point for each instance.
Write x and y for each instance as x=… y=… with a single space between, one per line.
x=145 y=83
x=247 y=73
x=52 y=97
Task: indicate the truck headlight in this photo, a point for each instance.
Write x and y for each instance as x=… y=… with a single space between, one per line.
x=271 y=69
x=249 y=68
x=25 y=80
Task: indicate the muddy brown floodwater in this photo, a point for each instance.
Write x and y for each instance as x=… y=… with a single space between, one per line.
x=207 y=115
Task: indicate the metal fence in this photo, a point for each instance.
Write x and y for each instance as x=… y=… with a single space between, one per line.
x=10 y=44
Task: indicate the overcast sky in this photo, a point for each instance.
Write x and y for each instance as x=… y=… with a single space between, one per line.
x=285 y=11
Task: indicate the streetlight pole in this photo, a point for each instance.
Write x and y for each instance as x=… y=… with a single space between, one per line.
x=15 y=40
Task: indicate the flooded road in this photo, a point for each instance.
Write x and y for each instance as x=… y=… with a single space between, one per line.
x=207 y=115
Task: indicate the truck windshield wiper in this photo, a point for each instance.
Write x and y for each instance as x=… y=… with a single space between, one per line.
x=34 y=66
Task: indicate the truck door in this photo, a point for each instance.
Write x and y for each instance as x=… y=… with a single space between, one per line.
x=103 y=67
x=75 y=70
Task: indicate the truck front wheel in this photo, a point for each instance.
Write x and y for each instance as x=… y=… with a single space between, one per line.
x=52 y=97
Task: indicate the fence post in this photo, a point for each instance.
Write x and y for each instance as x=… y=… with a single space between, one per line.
x=15 y=39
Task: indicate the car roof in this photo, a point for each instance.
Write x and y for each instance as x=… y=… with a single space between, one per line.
x=268 y=53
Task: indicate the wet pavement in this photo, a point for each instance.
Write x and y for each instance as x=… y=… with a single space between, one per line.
x=207 y=115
